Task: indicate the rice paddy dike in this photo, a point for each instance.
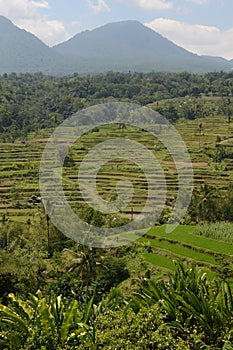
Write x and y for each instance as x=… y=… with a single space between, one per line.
x=19 y=169
x=20 y=161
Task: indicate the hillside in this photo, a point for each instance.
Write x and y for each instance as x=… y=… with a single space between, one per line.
x=130 y=46
x=195 y=104
x=21 y=51
x=162 y=291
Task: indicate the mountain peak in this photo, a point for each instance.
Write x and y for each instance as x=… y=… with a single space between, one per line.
x=129 y=22
x=125 y=37
x=120 y=46
x=130 y=45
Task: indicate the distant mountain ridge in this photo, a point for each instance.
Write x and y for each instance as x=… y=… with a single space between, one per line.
x=21 y=51
x=129 y=45
x=121 y=46
x=108 y=39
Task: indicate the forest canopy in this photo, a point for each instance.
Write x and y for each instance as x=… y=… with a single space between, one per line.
x=29 y=102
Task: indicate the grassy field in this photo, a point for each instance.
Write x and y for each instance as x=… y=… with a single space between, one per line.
x=159 y=261
x=183 y=244
x=184 y=235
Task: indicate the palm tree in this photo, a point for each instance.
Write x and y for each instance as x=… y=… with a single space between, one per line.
x=86 y=262
x=200 y=128
x=4 y=238
x=203 y=201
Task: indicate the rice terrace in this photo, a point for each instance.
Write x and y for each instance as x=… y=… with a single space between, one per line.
x=36 y=259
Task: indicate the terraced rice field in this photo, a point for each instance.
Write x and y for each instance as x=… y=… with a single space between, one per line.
x=19 y=164
x=183 y=244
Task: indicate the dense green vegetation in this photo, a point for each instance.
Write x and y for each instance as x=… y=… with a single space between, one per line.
x=33 y=101
x=184 y=311
x=218 y=230
x=56 y=294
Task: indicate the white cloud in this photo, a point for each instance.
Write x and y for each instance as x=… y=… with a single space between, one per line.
x=198 y=2
x=27 y=14
x=75 y=24
x=14 y=9
x=40 y=4
x=200 y=39
x=100 y=7
x=49 y=31
x=151 y=4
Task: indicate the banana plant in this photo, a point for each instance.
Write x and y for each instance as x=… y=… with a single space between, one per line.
x=190 y=301
x=39 y=321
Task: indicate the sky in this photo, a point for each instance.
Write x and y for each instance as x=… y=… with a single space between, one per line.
x=200 y=26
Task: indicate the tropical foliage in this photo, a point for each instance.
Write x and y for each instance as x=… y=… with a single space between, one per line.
x=38 y=323
x=184 y=310
x=191 y=302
